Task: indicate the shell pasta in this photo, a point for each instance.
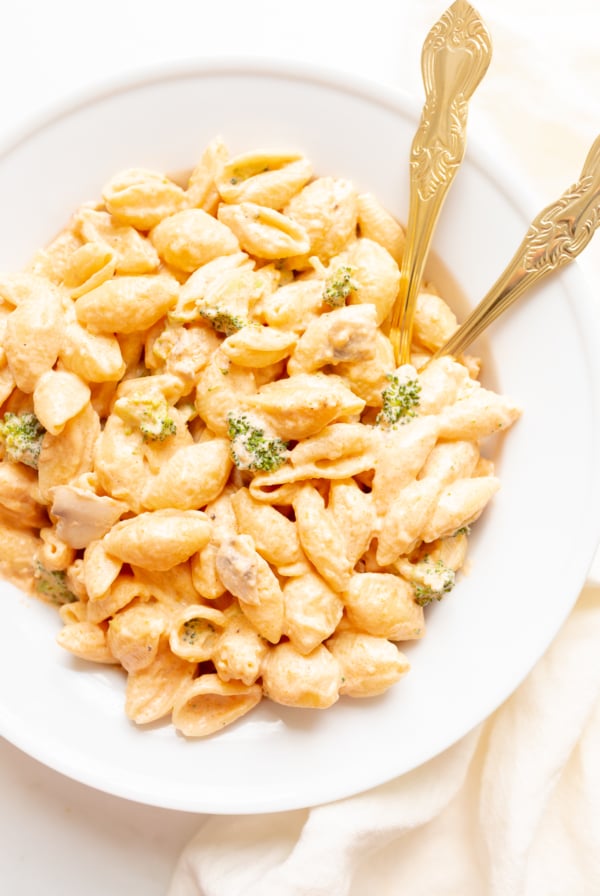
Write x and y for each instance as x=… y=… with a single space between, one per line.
x=208 y=459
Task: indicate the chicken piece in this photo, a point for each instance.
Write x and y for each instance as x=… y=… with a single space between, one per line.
x=343 y=335
x=82 y=515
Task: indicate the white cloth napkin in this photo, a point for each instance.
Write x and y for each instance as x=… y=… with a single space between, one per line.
x=513 y=809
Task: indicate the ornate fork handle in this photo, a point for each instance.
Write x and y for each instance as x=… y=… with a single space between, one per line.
x=554 y=238
x=455 y=57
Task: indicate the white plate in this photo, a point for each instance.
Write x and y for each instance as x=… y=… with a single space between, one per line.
x=529 y=553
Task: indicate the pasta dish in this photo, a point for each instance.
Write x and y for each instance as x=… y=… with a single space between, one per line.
x=208 y=459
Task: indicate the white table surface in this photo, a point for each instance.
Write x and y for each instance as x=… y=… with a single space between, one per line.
x=541 y=97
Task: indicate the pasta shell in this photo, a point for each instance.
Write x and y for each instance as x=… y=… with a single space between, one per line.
x=134 y=254
x=354 y=512
x=434 y=322
x=208 y=704
x=343 y=335
x=264 y=177
x=58 y=397
x=18 y=288
x=377 y=224
x=293 y=306
x=7 y=383
x=259 y=346
x=54 y=554
x=141 y=198
x=119 y=462
x=124 y=591
x=240 y=650
x=440 y=383
x=20 y=497
x=195 y=288
x=369 y=665
x=275 y=537
x=69 y=454
x=408 y=516
x=368 y=379
x=152 y=691
x=18 y=551
x=312 y=611
x=191 y=238
x=100 y=570
x=204 y=564
x=448 y=461
x=202 y=191
x=134 y=635
x=296 y=679
x=321 y=454
x=459 y=505
x=301 y=405
x=33 y=336
x=222 y=387
x=52 y=262
x=94 y=357
x=326 y=210
x=478 y=415
x=264 y=232
x=87 y=641
x=382 y=604
x=400 y=455
x=88 y=267
x=191 y=477
x=195 y=631
x=321 y=538
x=375 y=274
x=127 y=304
x=160 y=539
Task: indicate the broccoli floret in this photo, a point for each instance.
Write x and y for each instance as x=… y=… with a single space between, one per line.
x=158 y=429
x=400 y=398
x=150 y=413
x=437 y=581
x=222 y=320
x=339 y=286
x=190 y=631
x=251 y=449
x=464 y=530
x=53 y=585
x=22 y=436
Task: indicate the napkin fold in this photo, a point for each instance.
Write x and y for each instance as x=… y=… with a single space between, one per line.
x=513 y=809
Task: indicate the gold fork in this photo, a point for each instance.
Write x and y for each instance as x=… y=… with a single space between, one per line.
x=554 y=238
x=454 y=59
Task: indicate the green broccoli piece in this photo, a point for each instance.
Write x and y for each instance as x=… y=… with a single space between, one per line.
x=53 y=585
x=222 y=320
x=436 y=582
x=251 y=449
x=464 y=530
x=22 y=436
x=339 y=286
x=151 y=414
x=190 y=631
x=157 y=429
x=400 y=398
